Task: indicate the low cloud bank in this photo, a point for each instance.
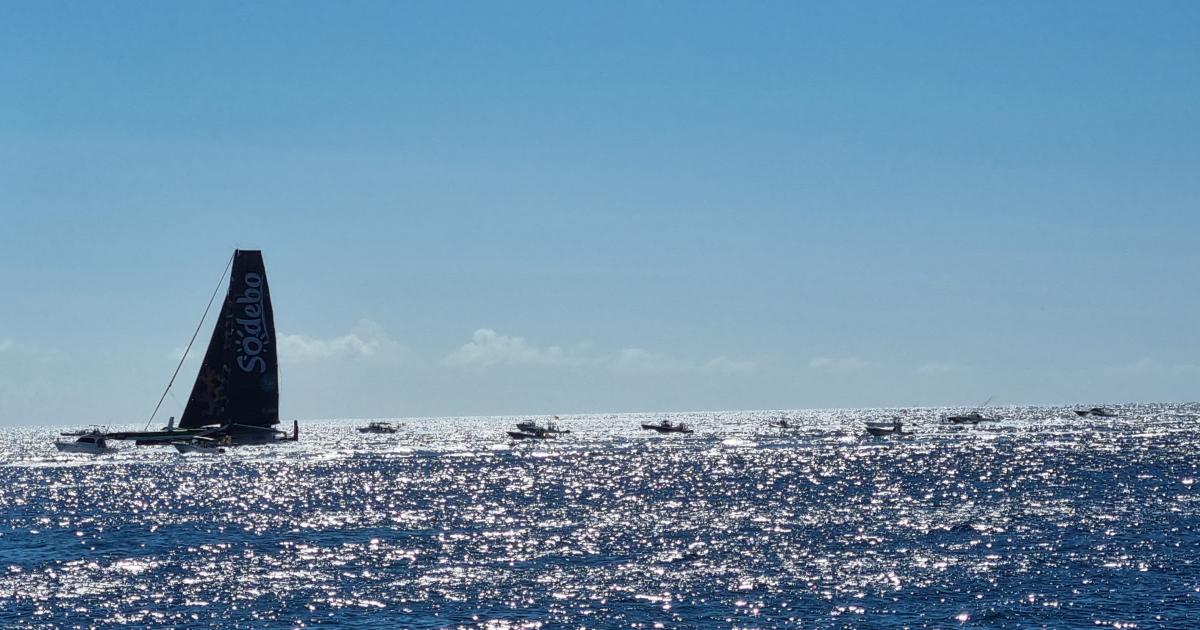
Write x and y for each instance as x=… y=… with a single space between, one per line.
x=367 y=340
x=487 y=349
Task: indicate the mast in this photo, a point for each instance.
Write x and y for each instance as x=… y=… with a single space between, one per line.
x=238 y=380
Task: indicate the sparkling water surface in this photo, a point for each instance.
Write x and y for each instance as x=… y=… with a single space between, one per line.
x=1040 y=520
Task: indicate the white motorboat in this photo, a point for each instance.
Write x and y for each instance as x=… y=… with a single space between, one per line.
x=880 y=428
x=533 y=427
x=90 y=443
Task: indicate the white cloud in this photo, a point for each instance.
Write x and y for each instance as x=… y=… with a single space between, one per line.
x=641 y=360
x=844 y=364
x=727 y=364
x=366 y=340
x=487 y=348
x=939 y=368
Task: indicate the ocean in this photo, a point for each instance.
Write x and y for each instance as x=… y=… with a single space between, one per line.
x=1040 y=520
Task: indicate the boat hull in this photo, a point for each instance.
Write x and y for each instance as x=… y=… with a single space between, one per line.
x=86 y=449
x=969 y=420
x=522 y=435
x=533 y=427
x=662 y=429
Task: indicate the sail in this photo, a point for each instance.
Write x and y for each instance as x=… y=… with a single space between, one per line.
x=239 y=378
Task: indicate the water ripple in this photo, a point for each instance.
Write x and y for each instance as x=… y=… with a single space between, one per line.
x=1042 y=519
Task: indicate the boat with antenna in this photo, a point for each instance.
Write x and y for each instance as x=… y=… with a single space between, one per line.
x=973 y=417
x=532 y=434
x=530 y=426
x=235 y=397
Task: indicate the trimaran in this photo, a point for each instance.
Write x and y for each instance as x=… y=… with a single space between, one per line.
x=235 y=399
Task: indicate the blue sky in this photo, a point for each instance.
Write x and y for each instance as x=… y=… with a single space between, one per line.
x=485 y=208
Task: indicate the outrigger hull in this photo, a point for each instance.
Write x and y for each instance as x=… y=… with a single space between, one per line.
x=237 y=434
x=155 y=438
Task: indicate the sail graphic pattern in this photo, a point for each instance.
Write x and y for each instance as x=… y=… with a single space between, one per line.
x=239 y=378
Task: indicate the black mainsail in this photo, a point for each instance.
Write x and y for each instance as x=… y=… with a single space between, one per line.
x=238 y=383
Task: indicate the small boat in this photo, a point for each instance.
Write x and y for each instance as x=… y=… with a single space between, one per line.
x=533 y=427
x=90 y=442
x=880 y=429
x=379 y=427
x=666 y=427
x=974 y=417
x=202 y=445
x=970 y=418
x=531 y=435
x=1095 y=411
x=781 y=424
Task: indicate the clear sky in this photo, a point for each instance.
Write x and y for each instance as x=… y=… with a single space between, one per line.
x=494 y=208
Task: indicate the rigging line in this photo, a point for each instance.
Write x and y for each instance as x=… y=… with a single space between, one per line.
x=189 y=346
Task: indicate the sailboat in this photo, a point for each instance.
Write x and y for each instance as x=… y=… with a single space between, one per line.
x=235 y=398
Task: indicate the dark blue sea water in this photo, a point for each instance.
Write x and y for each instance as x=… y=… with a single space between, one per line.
x=1041 y=520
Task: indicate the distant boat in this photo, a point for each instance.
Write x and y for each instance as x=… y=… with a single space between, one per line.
x=782 y=423
x=1095 y=411
x=666 y=427
x=90 y=442
x=379 y=427
x=540 y=434
x=880 y=428
x=973 y=417
x=533 y=427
